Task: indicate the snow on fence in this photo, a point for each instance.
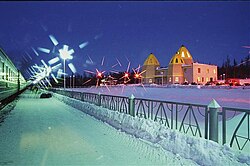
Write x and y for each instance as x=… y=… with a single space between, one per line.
x=210 y=122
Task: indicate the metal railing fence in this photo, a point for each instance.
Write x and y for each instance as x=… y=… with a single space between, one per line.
x=193 y=119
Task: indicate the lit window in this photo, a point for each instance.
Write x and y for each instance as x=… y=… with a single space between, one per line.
x=214 y=71
x=207 y=70
x=170 y=79
x=182 y=54
x=198 y=79
x=176 y=79
x=188 y=55
x=199 y=70
x=150 y=81
x=207 y=79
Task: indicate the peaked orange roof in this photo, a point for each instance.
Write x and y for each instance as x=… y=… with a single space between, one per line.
x=151 y=60
x=177 y=59
x=182 y=56
x=185 y=53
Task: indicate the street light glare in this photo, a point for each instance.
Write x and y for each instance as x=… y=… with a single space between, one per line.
x=65 y=53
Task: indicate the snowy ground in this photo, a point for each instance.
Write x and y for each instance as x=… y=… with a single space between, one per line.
x=48 y=132
x=229 y=97
x=226 y=96
x=201 y=151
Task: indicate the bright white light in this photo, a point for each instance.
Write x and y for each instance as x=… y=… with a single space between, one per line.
x=35 y=51
x=53 y=76
x=59 y=73
x=54 y=60
x=45 y=65
x=48 y=71
x=65 y=53
x=45 y=50
x=56 y=66
x=53 y=39
x=83 y=45
x=188 y=55
x=182 y=54
x=72 y=67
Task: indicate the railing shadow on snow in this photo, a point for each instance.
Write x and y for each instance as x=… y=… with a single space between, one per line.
x=194 y=119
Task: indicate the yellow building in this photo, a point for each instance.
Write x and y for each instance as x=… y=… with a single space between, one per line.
x=181 y=69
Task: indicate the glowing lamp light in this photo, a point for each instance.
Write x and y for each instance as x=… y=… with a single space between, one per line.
x=99 y=74
x=126 y=75
x=65 y=53
x=137 y=75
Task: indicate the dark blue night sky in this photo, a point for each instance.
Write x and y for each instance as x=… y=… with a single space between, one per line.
x=210 y=30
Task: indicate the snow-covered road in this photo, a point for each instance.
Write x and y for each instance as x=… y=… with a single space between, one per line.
x=49 y=132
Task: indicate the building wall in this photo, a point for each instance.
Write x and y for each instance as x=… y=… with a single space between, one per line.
x=149 y=75
x=203 y=73
x=175 y=74
x=188 y=74
x=161 y=75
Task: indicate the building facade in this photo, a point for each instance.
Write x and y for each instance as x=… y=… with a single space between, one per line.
x=181 y=69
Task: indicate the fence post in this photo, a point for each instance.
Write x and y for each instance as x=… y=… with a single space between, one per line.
x=99 y=99
x=132 y=105
x=213 y=120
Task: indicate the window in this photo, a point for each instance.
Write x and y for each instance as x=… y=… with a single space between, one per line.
x=176 y=60
x=170 y=79
x=199 y=70
x=202 y=79
x=188 y=55
x=181 y=61
x=207 y=70
x=214 y=71
x=182 y=54
x=207 y=79
x=150 y=81
x=6 y=72
x=176 y=79
x=3 y=71
x=198 y=79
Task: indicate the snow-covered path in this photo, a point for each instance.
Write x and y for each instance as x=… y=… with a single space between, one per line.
x=49 y=132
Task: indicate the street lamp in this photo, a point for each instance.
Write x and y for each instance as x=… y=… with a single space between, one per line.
x=73 y=81
x=162 y=78
x=69 y=81
x=65 y=54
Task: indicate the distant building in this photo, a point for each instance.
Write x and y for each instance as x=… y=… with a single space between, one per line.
x=181 y=69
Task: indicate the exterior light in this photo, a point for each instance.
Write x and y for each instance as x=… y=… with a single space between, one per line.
x=65 y=54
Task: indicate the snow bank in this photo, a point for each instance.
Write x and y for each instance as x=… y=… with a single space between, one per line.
x=202 y=151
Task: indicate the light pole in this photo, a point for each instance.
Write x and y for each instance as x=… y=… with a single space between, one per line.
x=64 y=70
x=69 y=81
x=73 y=81
x=65 y=54
x=162 y=78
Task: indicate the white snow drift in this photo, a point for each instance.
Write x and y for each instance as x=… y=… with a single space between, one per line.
x=201 y=151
